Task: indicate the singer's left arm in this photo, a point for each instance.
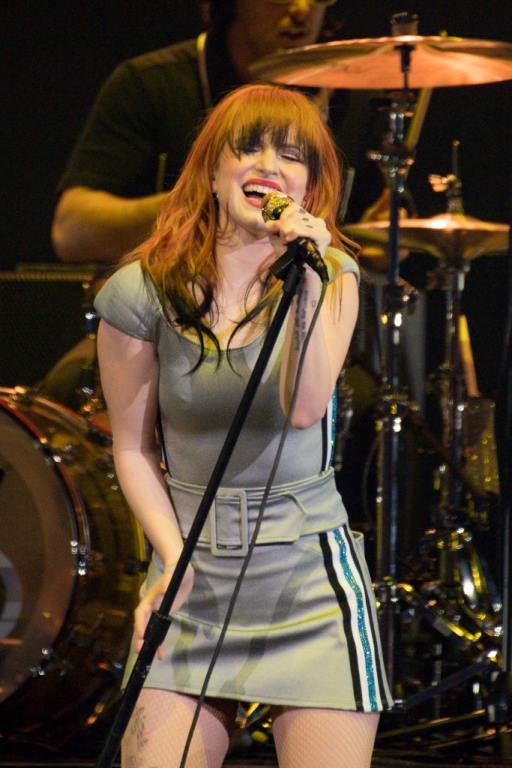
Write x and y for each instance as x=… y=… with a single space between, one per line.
x=327 y=348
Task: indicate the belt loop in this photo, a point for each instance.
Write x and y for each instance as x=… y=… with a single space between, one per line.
x=220 y=550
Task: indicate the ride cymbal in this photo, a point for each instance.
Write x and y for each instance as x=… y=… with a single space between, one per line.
x=435 y=61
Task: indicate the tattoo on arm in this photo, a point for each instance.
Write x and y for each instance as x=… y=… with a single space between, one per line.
x=300 y=321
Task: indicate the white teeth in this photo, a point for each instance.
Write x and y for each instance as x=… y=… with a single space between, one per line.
x=260 y=189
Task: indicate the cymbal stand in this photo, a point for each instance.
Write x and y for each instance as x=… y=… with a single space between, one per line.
x=450 y=382
x=394 y=160
x=455 y=489
x=495 y=715
x=450 y=374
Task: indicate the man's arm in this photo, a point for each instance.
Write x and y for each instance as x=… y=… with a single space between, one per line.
x=95 y=226
x=111 y=189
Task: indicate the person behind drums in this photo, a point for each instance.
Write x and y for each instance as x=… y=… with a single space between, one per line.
x=182 y=322
x=148 y=111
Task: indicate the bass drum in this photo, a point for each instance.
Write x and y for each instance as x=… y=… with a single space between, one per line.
x=71 y=563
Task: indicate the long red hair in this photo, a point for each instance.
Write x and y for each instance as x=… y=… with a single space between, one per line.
x=179 y=255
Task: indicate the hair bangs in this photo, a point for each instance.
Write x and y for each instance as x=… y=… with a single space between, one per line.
x=279 y=118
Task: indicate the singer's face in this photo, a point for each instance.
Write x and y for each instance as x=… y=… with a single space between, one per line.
x=241 y=181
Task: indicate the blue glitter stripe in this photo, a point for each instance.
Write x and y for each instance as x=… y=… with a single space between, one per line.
x=368 y=660
x=330 y=447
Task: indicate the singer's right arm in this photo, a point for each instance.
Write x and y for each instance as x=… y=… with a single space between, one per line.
x=129 y=379
x=91 y=225
x=129 y=376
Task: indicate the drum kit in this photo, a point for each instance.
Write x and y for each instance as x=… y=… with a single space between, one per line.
x=448 y=585
x=71 y=558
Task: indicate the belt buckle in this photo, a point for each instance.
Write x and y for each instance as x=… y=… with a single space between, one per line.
x=220 y=550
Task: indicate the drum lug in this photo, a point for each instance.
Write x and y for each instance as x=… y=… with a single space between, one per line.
x=69 y=453
x=89 y=562
x=39 y=670
x=80 y=552
x=20 y=394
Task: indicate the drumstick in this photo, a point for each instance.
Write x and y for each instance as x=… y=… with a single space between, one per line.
x=160 y=173
x=468 y=362
x=417 y=120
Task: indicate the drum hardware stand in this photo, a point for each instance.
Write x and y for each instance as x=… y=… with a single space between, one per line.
x=395 y=159
x=450 y=375
x=452 y=520
x=498 y=707
x=499 y=704
x=288 y=268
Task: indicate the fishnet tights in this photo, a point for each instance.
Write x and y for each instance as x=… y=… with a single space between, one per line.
x=310 y=738
x=304 y=738
x=158 y=729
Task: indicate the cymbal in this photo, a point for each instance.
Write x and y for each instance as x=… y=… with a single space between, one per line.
x=452 y=237
x=436 y=61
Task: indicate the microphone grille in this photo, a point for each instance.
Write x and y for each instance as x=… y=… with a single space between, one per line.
x=273 y=204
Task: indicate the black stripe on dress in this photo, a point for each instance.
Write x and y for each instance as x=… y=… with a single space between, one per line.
x=346 y=615
x=368 y=599
x=325 y=440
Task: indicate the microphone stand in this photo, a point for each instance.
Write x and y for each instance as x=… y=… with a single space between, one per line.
x=290 y=269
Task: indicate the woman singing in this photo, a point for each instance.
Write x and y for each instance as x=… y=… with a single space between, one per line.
x=183 y=321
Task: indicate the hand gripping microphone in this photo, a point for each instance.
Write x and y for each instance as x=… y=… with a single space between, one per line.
x=272 y=207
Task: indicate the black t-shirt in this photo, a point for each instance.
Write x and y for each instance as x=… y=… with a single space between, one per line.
x=149 y=106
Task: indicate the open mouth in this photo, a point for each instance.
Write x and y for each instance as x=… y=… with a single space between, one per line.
x=294 y=34
x=255 y=191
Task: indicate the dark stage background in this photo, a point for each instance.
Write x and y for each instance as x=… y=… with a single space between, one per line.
x=56 y=56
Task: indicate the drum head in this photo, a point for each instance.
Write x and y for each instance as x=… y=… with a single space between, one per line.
x=37 y=566
x=72 y=558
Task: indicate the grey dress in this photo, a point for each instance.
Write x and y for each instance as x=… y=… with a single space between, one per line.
x=304 y=628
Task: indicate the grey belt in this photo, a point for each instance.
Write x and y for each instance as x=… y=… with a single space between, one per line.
x=292 y=510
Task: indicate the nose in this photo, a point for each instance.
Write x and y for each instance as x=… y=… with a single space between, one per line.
x=298 y=9
x=267 y=160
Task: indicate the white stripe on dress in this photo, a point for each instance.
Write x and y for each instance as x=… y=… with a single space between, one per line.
x=329 y=417
x=351 y=582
